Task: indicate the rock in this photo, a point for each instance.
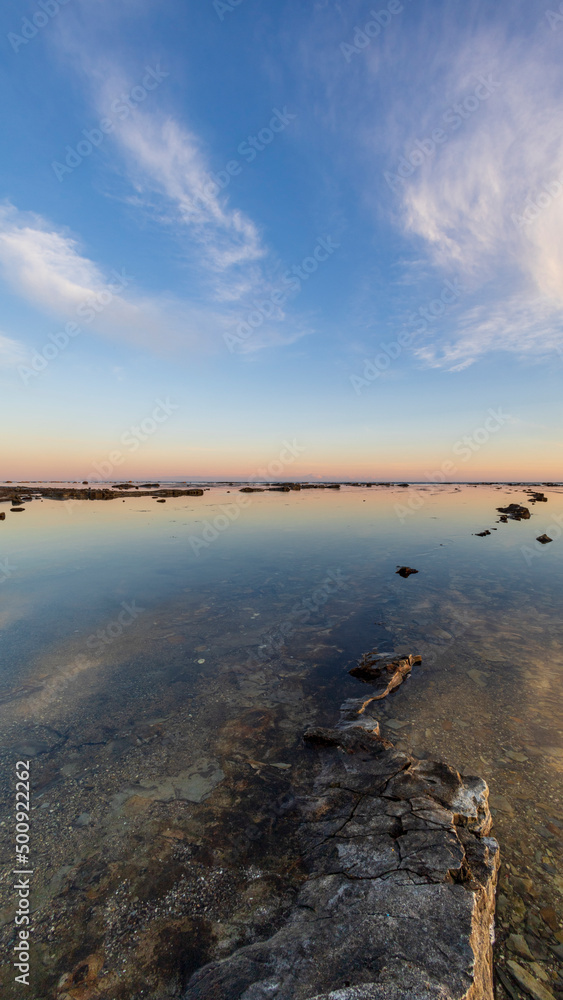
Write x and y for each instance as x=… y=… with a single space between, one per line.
x=549 y=917
x=193 y=785
x=17 y=510
x=390 y=674
x=518 y=944
x=481 y=534
x=3 y=516
x=406 y=571
x=252 y=489
x=544 y=539
x=522 y=885
x=161 y=501
x=83 y=820
x=515 y=512
x=193 y=493
x=399 y=900
x=528 y=983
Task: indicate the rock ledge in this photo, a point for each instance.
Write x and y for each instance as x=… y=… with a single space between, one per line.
x=399 y=902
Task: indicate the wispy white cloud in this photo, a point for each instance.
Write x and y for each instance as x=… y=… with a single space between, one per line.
x=12 y=352
x=521 y=325
x=165 y=158
x=46 y=267
x=462 y=203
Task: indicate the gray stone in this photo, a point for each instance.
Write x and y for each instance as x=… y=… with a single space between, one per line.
x=399 y=901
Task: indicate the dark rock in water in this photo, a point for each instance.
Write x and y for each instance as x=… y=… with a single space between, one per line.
x=149 y=486
x=161 y=501
x=17 y=510
x=390 y=674
x=85 y=482
x=399 y=901
x=279 y=489
x=537 y=497
x=194 y=493
x=515 y=512
x=481 y=534
x=252 y=489
x=123 y=486
x=544 y=539
x=406 y=571
x=503 y=518
x=3 y=516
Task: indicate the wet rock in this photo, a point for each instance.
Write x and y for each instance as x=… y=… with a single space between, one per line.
x=528 y=982
x=481 y=534
x=390 y=674
x=193 y=493
x=3 y=516
x=515 y=511
x=400 y=895
x=161 y=501
x=252 y=489
x=17 y=510
x=503 y=518
x=406 y=571
x=544 y=539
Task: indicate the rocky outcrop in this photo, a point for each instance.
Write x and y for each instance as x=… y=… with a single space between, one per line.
x=515 y=511
x=399 y=901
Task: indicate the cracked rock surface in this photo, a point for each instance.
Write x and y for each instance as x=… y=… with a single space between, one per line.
x=399 y=902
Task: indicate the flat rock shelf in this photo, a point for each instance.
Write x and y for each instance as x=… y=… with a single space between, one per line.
x=399 y=900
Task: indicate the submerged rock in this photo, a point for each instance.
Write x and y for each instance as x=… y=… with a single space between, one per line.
x=481 y=534
x=544 y=539
x=390 y=674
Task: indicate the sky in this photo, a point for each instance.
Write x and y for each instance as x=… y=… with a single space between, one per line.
x=281 y=241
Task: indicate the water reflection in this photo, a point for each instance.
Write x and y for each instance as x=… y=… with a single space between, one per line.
x=160 y=689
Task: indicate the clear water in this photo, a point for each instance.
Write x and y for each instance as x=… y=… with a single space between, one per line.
x=144 y=643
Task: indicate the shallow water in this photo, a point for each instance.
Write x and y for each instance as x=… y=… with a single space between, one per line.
x=159 y=667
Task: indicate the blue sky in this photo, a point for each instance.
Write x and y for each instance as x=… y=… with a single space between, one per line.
x=336 y=224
